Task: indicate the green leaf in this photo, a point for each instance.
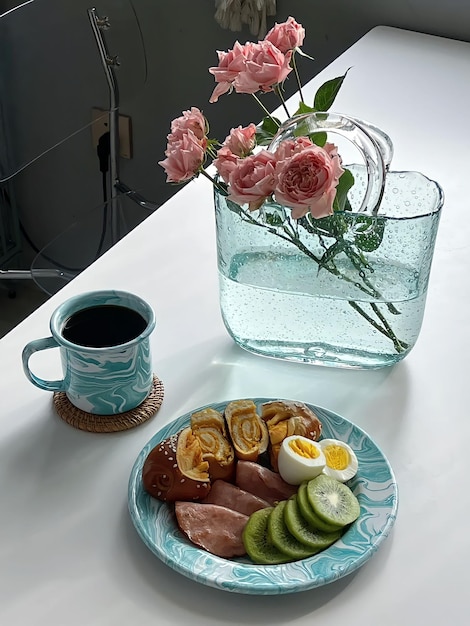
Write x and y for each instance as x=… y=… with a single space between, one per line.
x=274 y=219
x=304 y=108
x=318 y=138
x=370 y=240
x=331 y=252
x=233 y=206
x=327 y=93
x=341 y=202
x=266 y=131
x=331 y=226
x=302 y=128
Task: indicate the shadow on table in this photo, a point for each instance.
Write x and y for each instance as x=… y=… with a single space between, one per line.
x=219 y=370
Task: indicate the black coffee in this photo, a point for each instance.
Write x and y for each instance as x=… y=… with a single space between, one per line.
x=103 y=326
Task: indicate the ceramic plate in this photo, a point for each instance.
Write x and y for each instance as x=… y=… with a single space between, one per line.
x=374 y=486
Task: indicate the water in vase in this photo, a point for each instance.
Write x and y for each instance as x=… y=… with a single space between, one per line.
x=280 y=305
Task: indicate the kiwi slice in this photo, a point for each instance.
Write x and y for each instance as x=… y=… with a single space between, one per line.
x=303 y=532
x=309 y=514
x=255 y=540
x=282 y=539
x=332 y=501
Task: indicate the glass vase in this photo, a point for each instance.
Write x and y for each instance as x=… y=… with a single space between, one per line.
x=347 y=290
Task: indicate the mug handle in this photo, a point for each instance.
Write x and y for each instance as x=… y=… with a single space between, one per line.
x=30 y=349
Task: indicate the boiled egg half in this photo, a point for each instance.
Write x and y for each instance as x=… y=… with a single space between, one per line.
x=340 y=460
x=300 y=459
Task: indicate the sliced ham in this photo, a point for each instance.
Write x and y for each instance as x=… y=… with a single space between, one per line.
x=232 y=497
x=263 y=482
x=215 y=528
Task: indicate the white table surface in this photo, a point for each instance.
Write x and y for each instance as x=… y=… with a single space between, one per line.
x=69 y=554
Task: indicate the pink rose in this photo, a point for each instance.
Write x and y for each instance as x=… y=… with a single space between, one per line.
x=225 y=162
x=289 y=147
x=192 y=120
x=265 y=67
x=252 y=179
x=184 y=157
x=307 y=181
x=230 y=64
x=286 y=36
x=241 y=141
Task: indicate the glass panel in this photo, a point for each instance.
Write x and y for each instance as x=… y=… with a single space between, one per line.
x=52 y=75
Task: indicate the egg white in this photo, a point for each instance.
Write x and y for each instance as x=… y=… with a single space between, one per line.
x=295 y=468
x=351 y=468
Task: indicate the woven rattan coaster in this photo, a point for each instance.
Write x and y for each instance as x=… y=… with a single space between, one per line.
x=110 y=423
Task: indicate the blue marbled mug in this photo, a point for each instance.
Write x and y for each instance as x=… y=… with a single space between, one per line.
x=104 y=342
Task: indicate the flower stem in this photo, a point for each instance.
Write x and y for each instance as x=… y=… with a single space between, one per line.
x=277 y=89
x=297 y=77
x=216 y=184
x=265 y=109
x=399 y=346
x=292 y=237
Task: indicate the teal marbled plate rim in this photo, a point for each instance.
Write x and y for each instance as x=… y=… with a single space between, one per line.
x=374 y=485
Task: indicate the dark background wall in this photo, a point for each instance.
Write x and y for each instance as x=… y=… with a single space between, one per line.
x=52 y=78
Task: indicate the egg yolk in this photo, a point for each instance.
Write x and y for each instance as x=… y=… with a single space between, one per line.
x=304 y=449
x=336 y=457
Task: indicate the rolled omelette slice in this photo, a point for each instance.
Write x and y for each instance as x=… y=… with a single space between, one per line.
x=247 y=430
x=208 y=425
